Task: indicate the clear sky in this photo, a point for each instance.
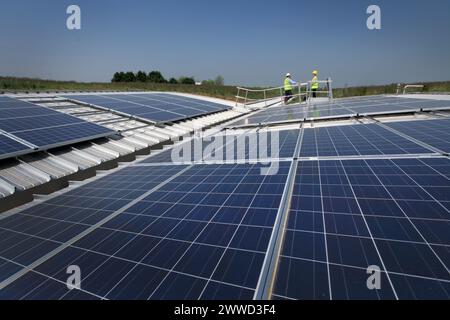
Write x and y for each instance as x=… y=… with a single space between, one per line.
x=249 y=42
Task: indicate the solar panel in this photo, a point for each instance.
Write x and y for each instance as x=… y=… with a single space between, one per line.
x=435 y=133
x=231 y=147
x=273 y=114
x=9 y=147
x=151 y=106
x=342 y=108
x=202 y=234
x=44 y=127
x=352 y=140
x=349 y=215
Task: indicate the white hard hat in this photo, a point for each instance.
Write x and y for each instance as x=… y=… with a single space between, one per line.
x=288 y=74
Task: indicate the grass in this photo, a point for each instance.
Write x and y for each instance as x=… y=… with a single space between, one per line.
x=38 y=85
x=224 y=92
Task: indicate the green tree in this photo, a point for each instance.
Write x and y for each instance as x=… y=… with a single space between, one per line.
x=129 y=77
x=118 y=77
x=173 y=81
x=219 y=81
x=187 y=80
x=141 y=76
x=208 y=82
x=156 y=77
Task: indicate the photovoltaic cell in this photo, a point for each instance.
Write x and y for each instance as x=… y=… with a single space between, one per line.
x=352 y=140
x=349 y=215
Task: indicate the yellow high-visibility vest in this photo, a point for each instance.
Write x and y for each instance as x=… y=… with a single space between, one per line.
x=287 y=85
x=314 y=83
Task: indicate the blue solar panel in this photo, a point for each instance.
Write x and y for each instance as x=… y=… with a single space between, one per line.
x=349 y=215
x=352 y=140
x=341 y=108
x=270 y=144
x=45 y=127
x=274 y=114
x=9 y=146
x=203 y=234
x=151 y=106
x=435 y=133
x=62 y=135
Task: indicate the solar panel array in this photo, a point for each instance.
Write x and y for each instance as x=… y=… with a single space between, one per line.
x=354 y=197
x=156 y=107
x=348 y=215
x=202 y=234
x=40 y=127
x=342 y=108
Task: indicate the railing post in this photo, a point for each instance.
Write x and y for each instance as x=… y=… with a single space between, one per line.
x=330 y=89
x=246 y=96
x=308 y=93
x=299 y=92
x=237 y=97
x=265 y=99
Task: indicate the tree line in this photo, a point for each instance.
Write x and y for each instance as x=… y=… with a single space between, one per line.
x=157 y=77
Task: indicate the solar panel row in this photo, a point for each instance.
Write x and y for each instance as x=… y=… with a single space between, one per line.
x=244 y=146
x=369 y=139
x=334 y=141
x=41 y=126
x=151 y=106
x=435 y=133
x=342 y=108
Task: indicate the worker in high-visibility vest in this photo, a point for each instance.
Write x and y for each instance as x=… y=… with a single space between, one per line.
x=314 y=84
x=288 y=83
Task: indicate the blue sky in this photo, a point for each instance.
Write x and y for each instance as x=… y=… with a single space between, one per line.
x=249 y=42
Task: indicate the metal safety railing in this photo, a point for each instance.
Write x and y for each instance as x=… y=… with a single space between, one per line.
x=325 y=87
x=415 y=86
x=408 y=86
x=302 y=92
x=249 y=97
